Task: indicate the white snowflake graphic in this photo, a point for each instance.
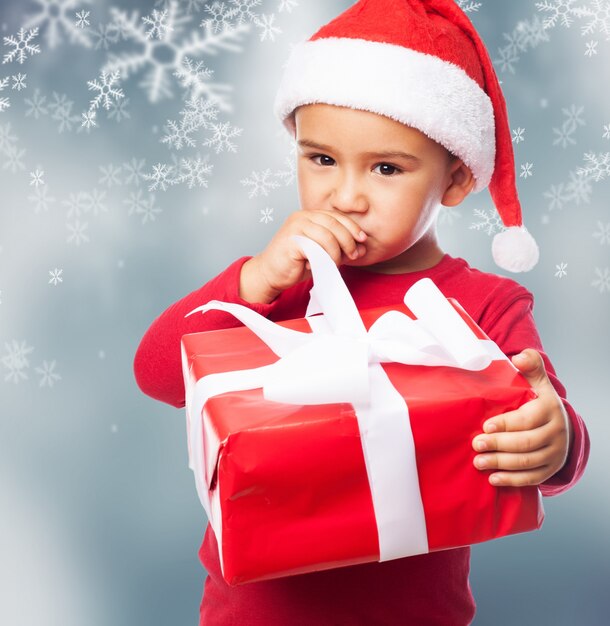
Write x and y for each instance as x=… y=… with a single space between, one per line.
x=526 y=170
x=266 y=215
x=561 y=270
x=518 y=135
x=288 y=175
x=16 y=360
x=194 y=172
x=603 y=233
x=488 y=221
x=561 y=11
x=136 y=202
x=156 y=81
x=78 y=233
x=579 y=188
x=107 y=93
x=88 y=119
x=597 y=166
x=162 y=177
x=19 y=81
x=243 y=12
x=40 y=199
x=602 y=280
x=7 y=139
x=76 y=204
x=269 y=31
x=526 y=35
x=177 y=135
x=22 y=46
x=288 y=5
x=55 y=16
x=591 y=48
x=156 y=22
x=564 y=135
x=48 y=376
x=220 y=17
x=599 y=12
x=134 y=171
x=55 y=277
x=148 y=210
x=221 y=140
x=557 y=197
x=62 y=112
x=110 y=175
x=606 y=134
x=82 y=19
x=118 y=110
x=469 y=7
x=105 y=35
x=36 y=177
x=94 y=202
x=14 y=162
x=36 y=105
x=259 y=183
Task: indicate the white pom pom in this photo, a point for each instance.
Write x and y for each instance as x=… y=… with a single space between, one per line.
x=515 y=250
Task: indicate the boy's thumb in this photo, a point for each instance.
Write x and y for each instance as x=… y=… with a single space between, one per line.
x=530 y=364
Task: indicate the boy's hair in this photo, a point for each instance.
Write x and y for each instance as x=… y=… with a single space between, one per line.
x=422 y=63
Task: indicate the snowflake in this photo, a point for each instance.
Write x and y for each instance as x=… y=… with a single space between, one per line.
x=162 y=177
x=7 y=139
x=55 y=277
x=81 y=19
x=62 y=112
x=223 y=133
x=526 y=170
x=48 y=376
x=598 y=166
x=158 y=27
x=36 y=177
x=448 y=215
x=220 y=17
x=266 y=215
x=77 y=232
x=147 y=209
x=178 y=135
x=105 y=35
x=561 y=270
x=518 y=135
x=110 y=175
x=561 y=10
x=193 y=77
x=15 y=156
x=243 y=10
x=194 y=172
x=76 y=203
x=579 y=188
x=118 y=110
x=269 y=31
x=16 y=361
x=259 y=183
x=599 y=11
x=57 y=15
x=40 y=199
x=133 y=171
x=162 y=57
x=606 y=134
x=5 y=103
x=525 y=35
x=94 y=202
x=105 y=89
x=489 y=221
x=602 y=282
x=564 y=135
x=19 y=81
x=591 y=48
x=574 y=116
x=36 y=105
x=603 y=234
x=469 y=7
x=556 y=196
x=136 y=203
x=199 y=112
x=288 y=175
x=22 y=46
x=288 y=5
x=88 y=118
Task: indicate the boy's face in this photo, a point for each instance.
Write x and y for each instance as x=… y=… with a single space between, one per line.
x=393 y=198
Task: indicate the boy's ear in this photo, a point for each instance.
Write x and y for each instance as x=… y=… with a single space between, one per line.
x=461 y=183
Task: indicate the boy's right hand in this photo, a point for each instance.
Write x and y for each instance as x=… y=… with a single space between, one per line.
x=282 y=263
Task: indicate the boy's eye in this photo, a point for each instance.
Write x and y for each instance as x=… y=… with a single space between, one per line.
x=387 y=169
x=325 y=159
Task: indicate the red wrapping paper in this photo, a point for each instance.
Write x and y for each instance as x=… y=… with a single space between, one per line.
x=289 y=483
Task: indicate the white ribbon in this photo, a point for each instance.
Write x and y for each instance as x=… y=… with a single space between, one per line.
x=340 y=362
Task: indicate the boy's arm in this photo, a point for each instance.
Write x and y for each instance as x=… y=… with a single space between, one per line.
x=157 y=362
x=515 y=330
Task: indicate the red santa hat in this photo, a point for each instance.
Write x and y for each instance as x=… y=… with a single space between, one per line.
x=422 y=63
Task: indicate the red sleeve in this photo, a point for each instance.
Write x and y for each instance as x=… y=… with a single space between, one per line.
x=157 y=362
x=514 y=329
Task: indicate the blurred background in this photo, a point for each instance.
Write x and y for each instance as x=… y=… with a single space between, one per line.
x=139 y=156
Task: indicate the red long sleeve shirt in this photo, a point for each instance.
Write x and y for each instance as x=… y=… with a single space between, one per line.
x=430 y=589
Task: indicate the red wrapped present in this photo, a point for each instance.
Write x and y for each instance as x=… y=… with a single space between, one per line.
x=345 y=438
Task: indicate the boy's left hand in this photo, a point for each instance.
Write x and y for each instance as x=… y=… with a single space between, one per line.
x=531 y=443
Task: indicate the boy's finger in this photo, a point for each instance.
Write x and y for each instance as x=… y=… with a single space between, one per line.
x=511 y=461
x=526 y=417
x=529 y=362
x=521 y=441
x=520 y=479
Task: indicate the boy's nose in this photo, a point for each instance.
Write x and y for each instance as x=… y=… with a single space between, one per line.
x=348 y=197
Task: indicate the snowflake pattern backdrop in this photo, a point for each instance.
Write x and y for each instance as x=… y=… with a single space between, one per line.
x=138 y=157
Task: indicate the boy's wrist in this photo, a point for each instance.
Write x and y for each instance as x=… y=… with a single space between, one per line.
x=252 y=286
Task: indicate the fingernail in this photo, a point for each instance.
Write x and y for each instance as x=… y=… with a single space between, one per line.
x=494 y=480
x=490 y=427
x=481 y=445
x=362 y=235
x=480 y=461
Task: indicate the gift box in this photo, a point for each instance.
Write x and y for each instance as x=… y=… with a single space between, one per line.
x=345 y=437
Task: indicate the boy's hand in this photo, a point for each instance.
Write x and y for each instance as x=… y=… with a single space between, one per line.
x=282 y=263
x=532 y=442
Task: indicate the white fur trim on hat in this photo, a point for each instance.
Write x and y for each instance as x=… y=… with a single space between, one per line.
x=515 y=250
x=419 y=90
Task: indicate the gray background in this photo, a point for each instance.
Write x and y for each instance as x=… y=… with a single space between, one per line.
x=100 y=523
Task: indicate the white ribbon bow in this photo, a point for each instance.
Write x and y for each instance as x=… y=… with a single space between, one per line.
x=339 y=362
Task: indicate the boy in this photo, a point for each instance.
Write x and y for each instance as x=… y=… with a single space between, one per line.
x=377 y=160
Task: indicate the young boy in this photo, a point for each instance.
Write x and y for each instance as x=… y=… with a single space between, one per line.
x=397 y=112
